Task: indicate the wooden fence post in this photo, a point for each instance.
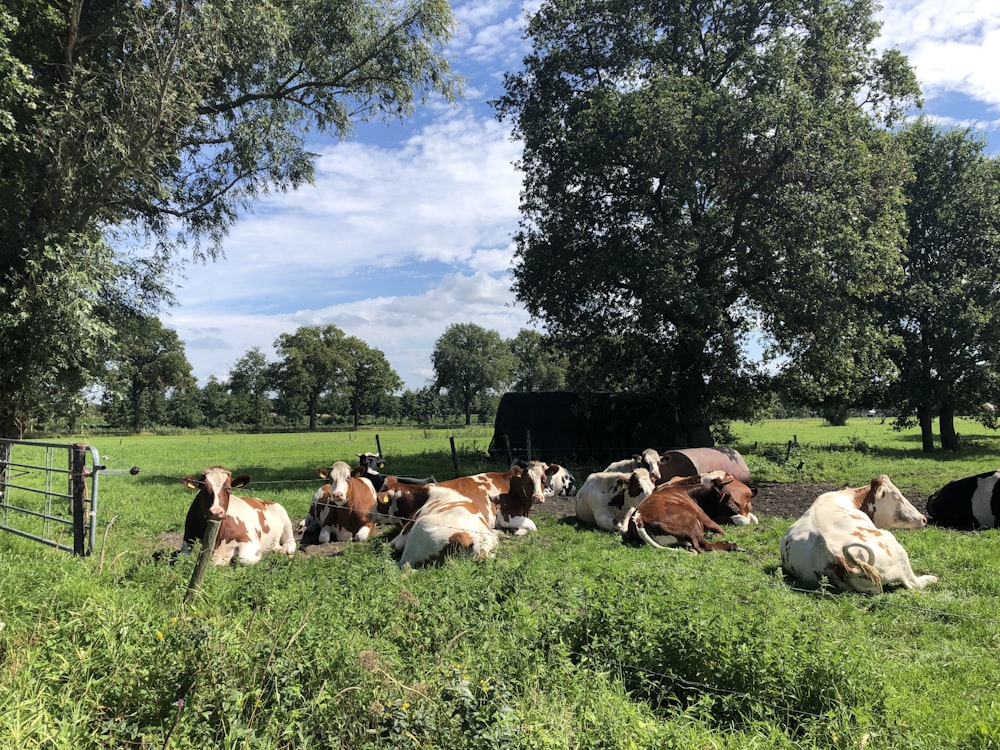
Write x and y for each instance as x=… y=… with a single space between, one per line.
x=78 y=482
x=204 y=558
x=454 y=455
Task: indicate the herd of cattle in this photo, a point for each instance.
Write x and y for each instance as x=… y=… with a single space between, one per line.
x=844 y=538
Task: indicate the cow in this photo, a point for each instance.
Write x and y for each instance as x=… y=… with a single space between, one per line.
x=368 y=468
x=969 y=503
x=673 y=516
x=737 y=506
x=446 y=523
x=605 y=497
x=449 y=521
x=400 y=501
x=843 y=537
x=341 y=509
x=649 y=460
x=250 y=526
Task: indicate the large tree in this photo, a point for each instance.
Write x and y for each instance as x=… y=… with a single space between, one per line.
x=313 y=363
x=152 y=361
x=470 y=361
x=541 y=363
x=370 y=378
x=249 y=383
x=697 y=170
x=130 y=130
x=947 y=313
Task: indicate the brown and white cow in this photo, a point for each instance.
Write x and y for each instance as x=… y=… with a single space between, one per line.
x=449 y=521
x=343 y=509
x=649 y=460
x=250 y=526
x=400 y=501
x=672 y=517
x=735 y=507
x=605 y=497
x=843 y=537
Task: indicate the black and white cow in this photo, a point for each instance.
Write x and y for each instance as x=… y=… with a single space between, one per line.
x=968 y=503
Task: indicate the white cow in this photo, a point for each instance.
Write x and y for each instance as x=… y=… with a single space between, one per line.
x=606 y=497
x=649 y=459
x=842 y=537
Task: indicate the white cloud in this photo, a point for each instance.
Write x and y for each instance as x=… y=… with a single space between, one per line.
x=391 y=245
x=953 y=46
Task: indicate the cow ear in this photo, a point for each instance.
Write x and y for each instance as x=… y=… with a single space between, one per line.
x=636 y=457
x=518 y=470
x=552 y=470
x=241 y=481
x=191 y=483
x=322 y=471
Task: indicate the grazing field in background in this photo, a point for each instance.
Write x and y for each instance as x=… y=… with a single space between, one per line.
x=566 y=639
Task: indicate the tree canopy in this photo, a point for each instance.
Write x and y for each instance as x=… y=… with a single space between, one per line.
x=129 y=131
x=694 y=171
x=946 y=314
x=469 y=362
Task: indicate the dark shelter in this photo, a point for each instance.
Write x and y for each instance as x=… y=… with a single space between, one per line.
x=594 y=428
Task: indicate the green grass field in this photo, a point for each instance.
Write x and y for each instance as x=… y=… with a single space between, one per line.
x=566 y=639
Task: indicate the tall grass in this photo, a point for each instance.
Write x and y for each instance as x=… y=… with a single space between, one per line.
x=567 y=639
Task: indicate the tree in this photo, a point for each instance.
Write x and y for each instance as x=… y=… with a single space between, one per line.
x=540 y=362
x=469 y=361
x=947 y=312
x=152 y=362
x=215 y=403
x=249 y=383
x=314 y=362
x=130 y=131
x=695 y=171
x=184 y=407
x=370 y=377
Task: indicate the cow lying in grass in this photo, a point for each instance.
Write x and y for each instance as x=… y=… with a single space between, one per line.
x=843 y=538
x=605 y=497
x=674 y=516
x=341 y=509
x=446 y=520
x=734 y=507
x=249 y=526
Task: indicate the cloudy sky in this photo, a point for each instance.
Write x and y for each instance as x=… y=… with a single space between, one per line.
x=408 y=227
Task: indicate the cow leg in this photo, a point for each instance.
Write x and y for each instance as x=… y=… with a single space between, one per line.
x=520 y=525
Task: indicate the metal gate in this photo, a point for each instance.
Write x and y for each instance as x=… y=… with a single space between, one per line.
x=44 y=493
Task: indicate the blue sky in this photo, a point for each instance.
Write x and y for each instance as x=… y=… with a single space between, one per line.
x=408 y=226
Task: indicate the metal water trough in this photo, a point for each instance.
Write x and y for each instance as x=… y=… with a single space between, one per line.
x=688 y=462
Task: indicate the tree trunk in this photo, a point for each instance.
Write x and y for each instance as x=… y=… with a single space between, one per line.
x=949 y=438
x=926 y=429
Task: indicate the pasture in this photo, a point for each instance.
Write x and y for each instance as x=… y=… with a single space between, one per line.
x=565 y=639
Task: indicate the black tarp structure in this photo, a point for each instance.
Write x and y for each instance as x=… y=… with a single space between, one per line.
x=595 y=427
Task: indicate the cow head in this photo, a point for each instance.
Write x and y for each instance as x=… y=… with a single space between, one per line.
x=339 y=477
x=370 y=463
x=213 y=488
x=885 y=505
x=650 y=460
x=527 y=484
